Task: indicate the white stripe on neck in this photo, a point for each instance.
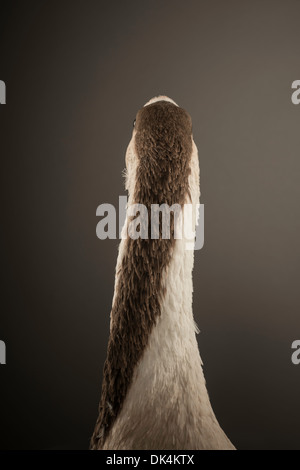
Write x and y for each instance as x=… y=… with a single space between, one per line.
x=167 y=405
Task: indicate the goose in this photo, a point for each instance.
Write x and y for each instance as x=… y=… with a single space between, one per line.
x=154 y=395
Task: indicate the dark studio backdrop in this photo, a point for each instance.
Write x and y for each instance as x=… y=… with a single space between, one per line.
x=76 y=73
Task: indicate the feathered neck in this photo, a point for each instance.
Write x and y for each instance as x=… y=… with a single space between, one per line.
x=158 y=169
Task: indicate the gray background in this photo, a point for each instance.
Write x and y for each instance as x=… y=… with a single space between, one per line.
x=76 y=73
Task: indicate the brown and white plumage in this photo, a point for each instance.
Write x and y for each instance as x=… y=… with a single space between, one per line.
x=154 y=394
